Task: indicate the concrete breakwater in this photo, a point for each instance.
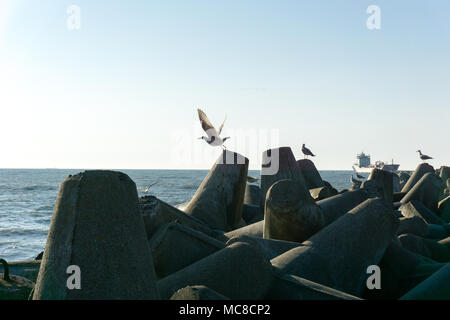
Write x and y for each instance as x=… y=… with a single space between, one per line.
x=292 y=238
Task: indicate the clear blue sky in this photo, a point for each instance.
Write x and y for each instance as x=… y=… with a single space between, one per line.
x=122 y=91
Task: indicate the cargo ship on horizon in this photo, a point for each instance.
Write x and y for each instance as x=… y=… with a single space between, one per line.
x=364 y=165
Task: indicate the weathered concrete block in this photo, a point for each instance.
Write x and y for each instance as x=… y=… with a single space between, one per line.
x=289 y=214
x=291 y=287
x=13 y=287
x=425 y=247
x=175 y=247
x=401 y=270
x=312 y=177
x=404 y=177
x=254 y=230
x=414 y=225
x=238 y=271
x=420 y=171
x=396 y=182
x=415 y=208
x=333 y=190
x=436 y=287
x=384 y=182
x=252 y=195
x=354 y=241
x=444 y=209
x=271 y=248
x=197 y=293
x=287 y=169
x=445 y=241
x=426 y=190
x=157 y=213
x=97 y=226
x=219 y=198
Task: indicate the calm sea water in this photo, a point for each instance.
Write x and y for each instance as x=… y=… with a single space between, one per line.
x=27 y=198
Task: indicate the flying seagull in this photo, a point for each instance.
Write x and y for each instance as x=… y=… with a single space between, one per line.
x=356 y=172
x=306 y=151
x=213 y=138
x=147 y=190
x=423 y=156
x=251 y=179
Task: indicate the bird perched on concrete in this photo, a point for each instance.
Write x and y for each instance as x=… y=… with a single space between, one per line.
x=353 y=180
x=423 y=156
x=307 y=152
x=356 y=172
x=213 y=138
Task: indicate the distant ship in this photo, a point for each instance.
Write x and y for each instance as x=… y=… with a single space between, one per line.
x=364 y=164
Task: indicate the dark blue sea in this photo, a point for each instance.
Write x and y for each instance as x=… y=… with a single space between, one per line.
x=27 y=198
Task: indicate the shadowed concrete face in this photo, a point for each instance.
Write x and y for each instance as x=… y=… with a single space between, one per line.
x=427 y=191
x=218 y=200
x=197 y=293
x=425 y=247
x=251 y=213
x=338 y=256
x=312 y=177
x=436 y=287
x=291 y=287
x=287 y=169
x=384 y=182
x=97 y=226
x=444 y=209
x=289 y=214
x=156 y=213
x=176 y=246
x=420 y=171
x=28 y=269
x=239 y=271
x=252 y=194
x=414 y=225
x=401 y=270
x=415 y=208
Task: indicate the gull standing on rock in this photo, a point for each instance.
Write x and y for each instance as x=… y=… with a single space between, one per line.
x=307 y=152
x=423 y=156
x=213 y=138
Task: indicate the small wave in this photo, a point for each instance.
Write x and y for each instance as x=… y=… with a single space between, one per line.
x=39 y=187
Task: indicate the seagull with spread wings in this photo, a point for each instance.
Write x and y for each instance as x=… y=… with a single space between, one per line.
x=213 y=138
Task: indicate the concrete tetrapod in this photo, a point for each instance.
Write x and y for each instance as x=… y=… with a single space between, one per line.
x=436 y=287
x=219 y=198
x=420 y=171
x=427 y=191
x=293 y=216
x=239 y=271
x=401 y=270
x=156 y=213
x=282 y=159
x=252 y=194
x=254 y=230
x=175 y=246
x=28 y=269
x=97 y=228
x=416 y=208
x=270 y=247
x=385 y=183
x=309 y=171
x=197 y=293
x=425 y=247
x=338 y=256
x=289 y=214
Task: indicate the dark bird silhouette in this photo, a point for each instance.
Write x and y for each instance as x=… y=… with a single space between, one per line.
x=213 y=138
x=307 y=152
x=423 y=156
x=357 y=175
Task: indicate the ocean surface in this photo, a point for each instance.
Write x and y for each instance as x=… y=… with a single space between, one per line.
x=27 y=198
